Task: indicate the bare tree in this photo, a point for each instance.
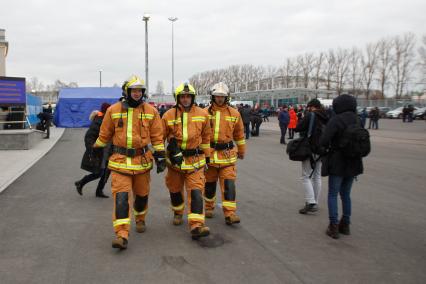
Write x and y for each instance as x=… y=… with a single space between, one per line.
x=369 y=65
x=384 y=66
x=403 y=61
x=329 y=70
x=317 y=68
x=34 y=84
x=355 y=58
x=422 y=53
x=341 y=68
x=305 y=64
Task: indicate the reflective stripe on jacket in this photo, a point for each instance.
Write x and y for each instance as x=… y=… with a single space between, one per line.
x=191 y=130
x=226 y=126
x=140 y=127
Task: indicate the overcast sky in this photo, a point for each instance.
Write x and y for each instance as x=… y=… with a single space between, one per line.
x=72 y=40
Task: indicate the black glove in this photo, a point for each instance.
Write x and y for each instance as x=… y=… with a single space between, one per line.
x=207 y=160
x=161 y=165
x=160 y=161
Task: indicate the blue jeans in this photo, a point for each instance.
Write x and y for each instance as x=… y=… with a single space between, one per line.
x=247 y=130
x=342 y=185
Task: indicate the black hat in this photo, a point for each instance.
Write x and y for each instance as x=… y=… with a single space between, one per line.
x=314 y=103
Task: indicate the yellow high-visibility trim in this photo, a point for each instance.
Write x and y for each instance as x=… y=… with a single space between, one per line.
x=231 y=204
x=100 y=143
x=129 y=166
x=118 y=115
x=129 y=135
x=120 y=222
x=173 y=121
x=146 y=116
x=216 y=160
x=211 y=116
x=159 y=147
x=193 y=166
x=185 y=130
x=216 y=126
x=231 y=118
x=124 y=115
x=179 y=207
x=210 y=199
x=136 y=213
x=204 y=146
x=240 y=142
x=198 y=217
x=199 y=118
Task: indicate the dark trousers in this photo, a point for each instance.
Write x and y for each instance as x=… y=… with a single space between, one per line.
x=247 y=130
x=283 y=132
x=255 y=129
x=290 y=133
x=103 y=176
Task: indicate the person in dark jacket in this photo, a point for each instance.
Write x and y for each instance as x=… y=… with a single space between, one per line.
x=340 y=169
x=245 y=115
x=95 y=159
x=256 y=121
x=374 y=118
x=283 y=119
x=363 y=116
x=311 y=167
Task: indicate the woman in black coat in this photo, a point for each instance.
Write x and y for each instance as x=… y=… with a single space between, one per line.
x=340 y=169
x=95 y=159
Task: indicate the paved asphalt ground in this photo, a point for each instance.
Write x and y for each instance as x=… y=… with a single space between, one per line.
x=50 y=234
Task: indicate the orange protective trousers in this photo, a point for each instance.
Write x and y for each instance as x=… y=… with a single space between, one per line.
x=194 y=184
x=122 y=186
x=213 y=174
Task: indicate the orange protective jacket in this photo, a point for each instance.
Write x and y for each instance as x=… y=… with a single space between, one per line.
x=191 y=130
x=226 y=125
x=140 y=127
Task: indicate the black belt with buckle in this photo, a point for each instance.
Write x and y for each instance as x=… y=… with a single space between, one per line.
x=130 y=152
x=192 y=152
x=222 y=146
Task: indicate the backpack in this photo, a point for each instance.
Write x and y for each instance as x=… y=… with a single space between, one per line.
x=355 y=141
x=300 y=149
x=316 y=136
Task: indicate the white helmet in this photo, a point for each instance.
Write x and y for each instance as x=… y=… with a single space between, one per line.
x=220 y=89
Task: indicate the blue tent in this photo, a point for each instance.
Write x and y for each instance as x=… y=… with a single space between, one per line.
x=75 y=104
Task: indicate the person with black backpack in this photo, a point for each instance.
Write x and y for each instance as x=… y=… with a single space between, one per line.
x=316 y=119
x=348 y=142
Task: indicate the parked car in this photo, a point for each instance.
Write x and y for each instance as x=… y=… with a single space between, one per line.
x=396 y=113
x=419 y=113
x=383 y=111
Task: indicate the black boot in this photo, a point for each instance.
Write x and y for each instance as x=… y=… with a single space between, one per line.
x=79 y=187
x=344 y=228
x=101 y=195
x=333 y=231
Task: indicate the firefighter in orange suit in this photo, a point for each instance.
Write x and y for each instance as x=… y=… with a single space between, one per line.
x=226 y=126
x=187 y=131
x=131 y=125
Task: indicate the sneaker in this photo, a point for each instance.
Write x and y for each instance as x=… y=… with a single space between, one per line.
x=209 y=213
x=200 y=232
x=233 y=219
x=120 y=243
x=177 y=219
x=140 y=226
x=309 y=207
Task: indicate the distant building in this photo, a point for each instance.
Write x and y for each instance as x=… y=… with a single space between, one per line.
x=4 y=46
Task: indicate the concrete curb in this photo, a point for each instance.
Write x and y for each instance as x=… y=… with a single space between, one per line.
x=32 y=161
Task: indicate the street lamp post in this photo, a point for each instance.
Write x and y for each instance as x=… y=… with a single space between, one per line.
x=100 y=78
x=173 y=19
x=146 y=19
